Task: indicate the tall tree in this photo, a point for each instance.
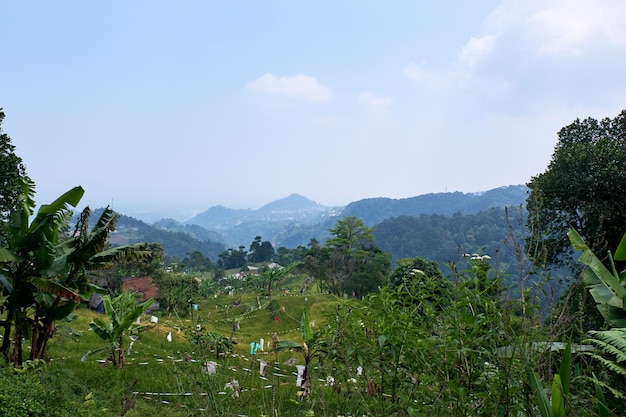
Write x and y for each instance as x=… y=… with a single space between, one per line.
x=233 y=258
x=351 y=253
x=260 y=251
x=583 y=187
x=266 y=251
x=11 y=170
x=195 y=261
x=286 y=256
x=253 y=254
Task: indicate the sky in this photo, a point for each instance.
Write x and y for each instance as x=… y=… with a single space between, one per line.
x=170 y=108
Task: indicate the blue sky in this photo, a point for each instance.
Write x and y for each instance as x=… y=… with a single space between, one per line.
x=173 y=107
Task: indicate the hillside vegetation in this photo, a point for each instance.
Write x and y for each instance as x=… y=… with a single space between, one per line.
x=435 y=226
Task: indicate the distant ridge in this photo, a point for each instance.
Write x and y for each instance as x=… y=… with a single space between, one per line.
x=375 y=210
x=295 y=220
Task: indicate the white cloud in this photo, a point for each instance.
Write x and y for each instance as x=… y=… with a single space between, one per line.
x=297 y=86
x=562 y=26
x=368 y=98
x=476 y=49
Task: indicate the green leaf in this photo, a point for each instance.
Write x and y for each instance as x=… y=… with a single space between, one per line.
x=591 y=260
x=540 y=395
x=605 y=287
x=305 y=324
x=603 y=410
x=566 y=368
x=100 y=331
x=7 y=256
x=381 y=340
x=558 y=402
x=620 y=252
x=285 y=345
x=55 y=288
x=94 y=351
x=7 y=285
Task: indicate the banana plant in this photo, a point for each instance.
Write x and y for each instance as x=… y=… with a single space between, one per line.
x=29 y=265
x=312 y=347
x=606 y=287
x=43 y=272
x=122 y=312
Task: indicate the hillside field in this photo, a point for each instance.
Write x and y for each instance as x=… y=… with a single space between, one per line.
x=170 y=378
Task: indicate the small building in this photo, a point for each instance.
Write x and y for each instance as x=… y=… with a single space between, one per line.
x=142 y=285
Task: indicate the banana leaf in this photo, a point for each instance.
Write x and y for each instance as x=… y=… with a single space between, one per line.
x=604 y=286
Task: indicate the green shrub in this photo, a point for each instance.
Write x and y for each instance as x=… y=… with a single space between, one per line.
x=21 y=394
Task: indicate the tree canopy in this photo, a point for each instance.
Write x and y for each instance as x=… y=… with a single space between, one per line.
x=11 y=170
x=583 y=187
x=349 y=263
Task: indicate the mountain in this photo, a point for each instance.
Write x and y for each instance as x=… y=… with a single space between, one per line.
x=302 y=218
x=295 y=203
x=375 y=210
x=294 y=208
x=294 y=220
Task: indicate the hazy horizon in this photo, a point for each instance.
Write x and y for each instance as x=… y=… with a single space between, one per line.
x=157 y=106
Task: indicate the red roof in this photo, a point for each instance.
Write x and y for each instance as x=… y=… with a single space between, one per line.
x=143 y=285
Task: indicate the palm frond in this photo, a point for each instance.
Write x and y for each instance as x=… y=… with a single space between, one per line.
x=55 y=288
x=98 y=236
x=104 y=259
x=81 y=231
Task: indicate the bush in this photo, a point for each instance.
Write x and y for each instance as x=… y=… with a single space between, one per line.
x=21 y=394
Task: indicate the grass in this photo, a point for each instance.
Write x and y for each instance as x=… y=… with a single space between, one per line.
x=170 y=379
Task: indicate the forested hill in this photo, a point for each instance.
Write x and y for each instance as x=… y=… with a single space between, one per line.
x=446 y=238
x=294 y=220
x=432 y=225
x=177 y=242
x=375 y=210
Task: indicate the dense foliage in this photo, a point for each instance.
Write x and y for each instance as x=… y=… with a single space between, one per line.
x=11 y=171
x=176 y=243
x=445 y=239
x=349 y=262
x=583 y=187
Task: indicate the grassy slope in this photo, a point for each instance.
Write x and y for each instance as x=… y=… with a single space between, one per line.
x=157 y=367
